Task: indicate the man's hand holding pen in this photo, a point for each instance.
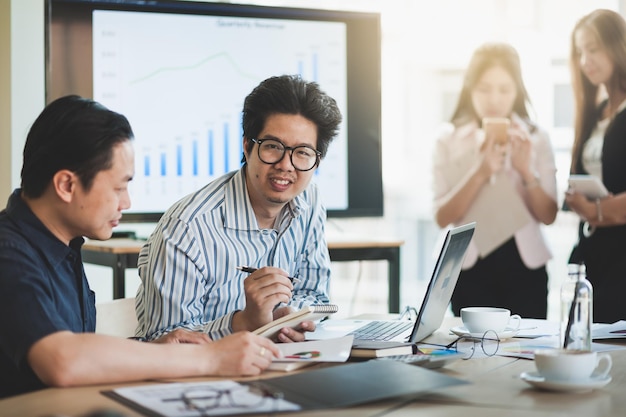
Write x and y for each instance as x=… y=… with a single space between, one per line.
x=264 y=289
x=250 y=270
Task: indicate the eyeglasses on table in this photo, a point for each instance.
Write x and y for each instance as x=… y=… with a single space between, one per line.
x=469 y=344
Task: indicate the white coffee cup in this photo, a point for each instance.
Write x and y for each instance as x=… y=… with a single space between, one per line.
x=482 y=319
x=571 y=365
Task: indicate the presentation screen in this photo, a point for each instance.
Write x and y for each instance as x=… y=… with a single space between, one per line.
x=180 y=72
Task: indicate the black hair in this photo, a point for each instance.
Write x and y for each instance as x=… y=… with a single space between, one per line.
x=290 y=94
x=609 y=29
x=73 y=133
x=489 y=55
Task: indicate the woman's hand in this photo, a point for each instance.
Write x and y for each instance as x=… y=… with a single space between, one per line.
x=493 y=157
x=521 y=152
x=579 y=204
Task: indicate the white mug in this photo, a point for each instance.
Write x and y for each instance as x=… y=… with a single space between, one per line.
x=571 y=365
x=482 y=319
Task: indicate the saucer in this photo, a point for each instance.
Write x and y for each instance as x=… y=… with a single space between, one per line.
x=536 y=380
x=505 y=334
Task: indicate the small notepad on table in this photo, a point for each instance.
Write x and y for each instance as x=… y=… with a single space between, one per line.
x=307 y=313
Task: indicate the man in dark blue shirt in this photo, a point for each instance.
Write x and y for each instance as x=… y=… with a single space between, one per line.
x=43 y=291
x=78 y=161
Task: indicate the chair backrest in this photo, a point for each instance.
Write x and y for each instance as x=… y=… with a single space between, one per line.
x=116 y=317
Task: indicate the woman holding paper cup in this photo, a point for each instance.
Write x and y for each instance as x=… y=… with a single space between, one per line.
x=493 y=165
x=598 y=64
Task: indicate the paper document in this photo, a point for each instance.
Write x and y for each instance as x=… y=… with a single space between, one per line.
x=328 y=350
x=616 y=330
x=525 y=348
x=534 y=328
x=197 y=399
x=299 y=355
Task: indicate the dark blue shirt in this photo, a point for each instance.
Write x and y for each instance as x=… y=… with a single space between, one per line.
x=43 y=290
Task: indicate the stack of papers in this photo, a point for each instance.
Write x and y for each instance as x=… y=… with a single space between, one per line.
x=535 y=328
x=616 y=330
x=542 y=334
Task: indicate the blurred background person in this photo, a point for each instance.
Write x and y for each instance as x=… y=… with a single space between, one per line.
x=598 y=66
x=508 y=187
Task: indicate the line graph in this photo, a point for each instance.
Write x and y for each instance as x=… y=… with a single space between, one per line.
x=197 y=65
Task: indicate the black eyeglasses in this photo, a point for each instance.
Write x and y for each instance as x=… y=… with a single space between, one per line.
x=206 y=400
x=489 y=343
x=272 y=151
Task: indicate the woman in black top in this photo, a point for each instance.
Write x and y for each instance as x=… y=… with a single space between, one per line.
x=598 y=63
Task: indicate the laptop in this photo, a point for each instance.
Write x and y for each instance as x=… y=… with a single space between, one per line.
x=433 y=307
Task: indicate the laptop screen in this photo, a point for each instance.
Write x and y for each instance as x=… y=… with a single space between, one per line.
x=442 y=282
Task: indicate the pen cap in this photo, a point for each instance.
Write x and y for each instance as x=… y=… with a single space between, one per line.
x=576 y=310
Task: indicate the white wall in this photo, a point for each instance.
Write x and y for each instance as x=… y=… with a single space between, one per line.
x=24 y=73
x=5 y=98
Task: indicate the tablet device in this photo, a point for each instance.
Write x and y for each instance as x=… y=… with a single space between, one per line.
x=588 y=185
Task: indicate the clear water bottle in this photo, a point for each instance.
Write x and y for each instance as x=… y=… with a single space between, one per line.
x=576 y=309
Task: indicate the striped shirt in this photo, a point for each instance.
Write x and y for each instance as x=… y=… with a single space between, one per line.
x=188 y=265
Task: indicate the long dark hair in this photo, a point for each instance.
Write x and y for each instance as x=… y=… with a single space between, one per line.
x=609 y=28
x=485 y=57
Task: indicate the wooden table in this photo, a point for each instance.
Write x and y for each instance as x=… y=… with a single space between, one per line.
x=121 y=254
x=118 y=254
x=495 y=389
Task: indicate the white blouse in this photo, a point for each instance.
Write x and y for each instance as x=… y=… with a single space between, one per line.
x=454 y=145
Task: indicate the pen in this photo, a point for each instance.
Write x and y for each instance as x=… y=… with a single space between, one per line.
x=250 y=270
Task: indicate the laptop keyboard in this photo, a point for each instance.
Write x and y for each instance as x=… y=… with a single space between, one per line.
x=381 y=330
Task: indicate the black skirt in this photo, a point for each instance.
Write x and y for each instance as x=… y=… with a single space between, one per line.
x=604 y=255
x=502 y=280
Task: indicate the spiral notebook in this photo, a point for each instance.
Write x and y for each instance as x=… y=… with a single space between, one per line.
x=312 y=312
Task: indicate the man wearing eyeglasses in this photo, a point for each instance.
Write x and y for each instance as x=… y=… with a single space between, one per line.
x=267 y=216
